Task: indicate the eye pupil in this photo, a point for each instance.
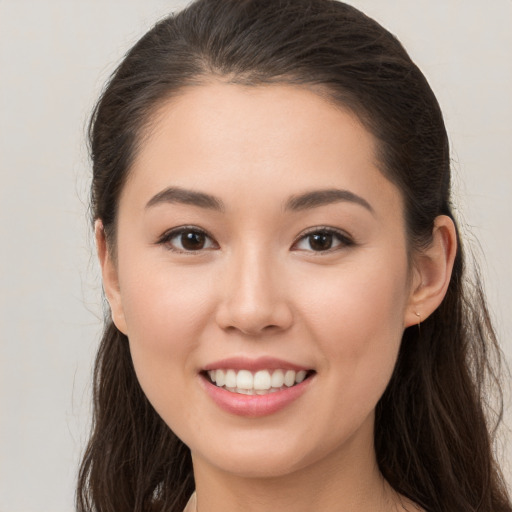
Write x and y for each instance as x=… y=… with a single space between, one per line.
x=320 y=241
x=192 y=240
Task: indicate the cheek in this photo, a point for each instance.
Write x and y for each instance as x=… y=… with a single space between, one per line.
x=162 y=302
x=166 y=312
x=359 y=298
x=356 y=319
x=356 y=315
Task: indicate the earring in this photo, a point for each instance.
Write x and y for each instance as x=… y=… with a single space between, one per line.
x=419 y=319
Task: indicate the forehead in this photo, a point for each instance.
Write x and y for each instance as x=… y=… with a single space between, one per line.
x=274 y=139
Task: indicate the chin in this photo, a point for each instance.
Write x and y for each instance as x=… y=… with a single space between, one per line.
x=257 y=466
x=261 y=458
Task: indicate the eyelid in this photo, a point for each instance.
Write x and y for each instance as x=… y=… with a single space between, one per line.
x=168 y=235
x=345 y=239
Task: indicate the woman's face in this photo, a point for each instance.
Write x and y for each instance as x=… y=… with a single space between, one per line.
x=258 y=240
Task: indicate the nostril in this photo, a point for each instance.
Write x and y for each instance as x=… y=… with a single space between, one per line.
x=253 y=330
x=253 y=314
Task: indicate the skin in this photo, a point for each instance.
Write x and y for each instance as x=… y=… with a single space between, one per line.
x=258 y=288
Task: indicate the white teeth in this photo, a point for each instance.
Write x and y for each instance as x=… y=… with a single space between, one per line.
x=259 y=383
x=230 y=379
x=244 y=379
x=262 y=380
x=289 y=378
x=301 y=375
x=277 y=379
x=220 y=377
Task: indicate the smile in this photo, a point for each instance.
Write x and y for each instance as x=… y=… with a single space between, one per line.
x=261 y=382
x=253 y=388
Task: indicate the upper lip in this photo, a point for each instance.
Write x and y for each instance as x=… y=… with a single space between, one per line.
x=254 y=365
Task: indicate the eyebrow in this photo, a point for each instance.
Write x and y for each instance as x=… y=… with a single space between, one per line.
x=306 y=201
x=318 y=198
x=185 y=196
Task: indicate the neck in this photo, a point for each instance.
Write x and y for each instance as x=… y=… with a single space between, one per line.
x=348 y=481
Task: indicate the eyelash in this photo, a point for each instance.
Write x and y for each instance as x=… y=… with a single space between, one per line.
x=343 y=239
x=168 y=236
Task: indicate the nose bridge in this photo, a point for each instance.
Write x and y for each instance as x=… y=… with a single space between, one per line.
x=254 y=271
x=254 y=299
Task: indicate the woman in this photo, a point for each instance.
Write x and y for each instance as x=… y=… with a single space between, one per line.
x=290 y=327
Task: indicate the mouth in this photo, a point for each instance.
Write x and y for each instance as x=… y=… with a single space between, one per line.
x=261 y=382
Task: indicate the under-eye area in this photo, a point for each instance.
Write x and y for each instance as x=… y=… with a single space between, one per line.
x=261 y=382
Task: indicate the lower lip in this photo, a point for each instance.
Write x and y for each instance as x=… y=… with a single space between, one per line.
x=254 y=406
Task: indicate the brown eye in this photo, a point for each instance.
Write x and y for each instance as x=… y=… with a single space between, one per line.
x=192 y=240
x=322 y=240
x=187 y=240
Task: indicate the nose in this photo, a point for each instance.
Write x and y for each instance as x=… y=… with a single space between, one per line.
x=254 y=300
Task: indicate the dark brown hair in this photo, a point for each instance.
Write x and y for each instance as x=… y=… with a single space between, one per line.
x=434 y=432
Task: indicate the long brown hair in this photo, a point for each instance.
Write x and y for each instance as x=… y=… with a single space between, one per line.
x=434 y=432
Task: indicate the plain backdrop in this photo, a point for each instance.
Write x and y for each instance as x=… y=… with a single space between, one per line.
x=55 y=56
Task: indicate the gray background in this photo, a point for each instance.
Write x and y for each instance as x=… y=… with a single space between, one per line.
x=54 y=58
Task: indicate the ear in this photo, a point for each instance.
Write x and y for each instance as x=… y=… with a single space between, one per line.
x=432 y=272
x=110 y=277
